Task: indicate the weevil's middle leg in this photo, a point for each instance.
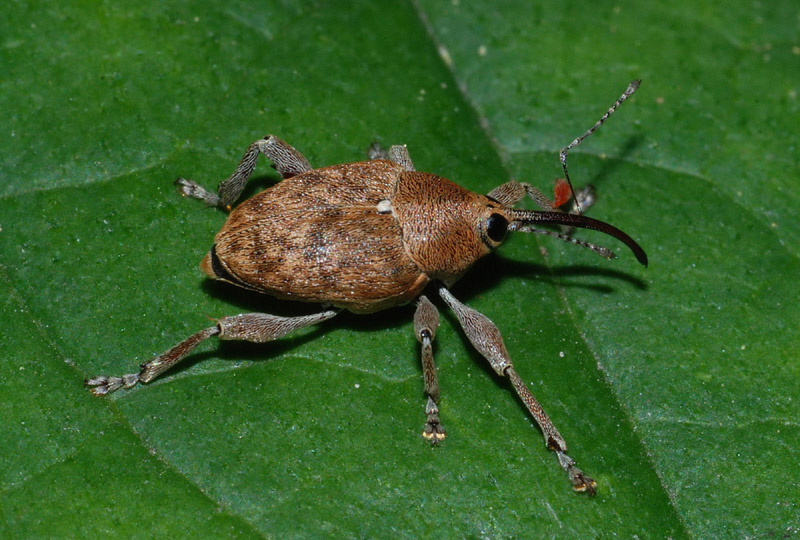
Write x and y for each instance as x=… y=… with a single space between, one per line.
x=253 y=327
x=485 y=337
x=285 y=158
x=426 y=321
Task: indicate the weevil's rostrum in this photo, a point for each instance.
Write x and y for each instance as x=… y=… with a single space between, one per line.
x=365 y=237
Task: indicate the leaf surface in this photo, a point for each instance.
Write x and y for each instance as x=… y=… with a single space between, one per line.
x=675 y=386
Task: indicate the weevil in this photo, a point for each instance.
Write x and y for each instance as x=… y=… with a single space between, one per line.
x=365 y=237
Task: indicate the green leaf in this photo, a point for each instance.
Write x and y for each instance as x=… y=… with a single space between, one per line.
x=675 y=386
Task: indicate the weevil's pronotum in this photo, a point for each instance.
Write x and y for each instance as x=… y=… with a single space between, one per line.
x=365 y=237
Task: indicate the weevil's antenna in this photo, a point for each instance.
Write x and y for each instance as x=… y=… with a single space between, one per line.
x=600 y=250
x=525 y=220
x=632 y=87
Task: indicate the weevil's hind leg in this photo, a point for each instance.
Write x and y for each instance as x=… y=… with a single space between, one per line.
x=285 y=158
x=486 y=338
x=254 y=327
x=426 y=321
x=397 y=153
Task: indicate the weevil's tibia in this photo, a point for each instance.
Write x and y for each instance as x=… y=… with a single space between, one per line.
x=253 y=327
x=632 y=87
x=426 y=321
x=285 y=158
x=485 y=337
x=512 y=192
x=102 y=385
x=555 y=442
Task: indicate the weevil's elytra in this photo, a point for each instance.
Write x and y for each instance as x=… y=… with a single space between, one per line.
x=369 y=236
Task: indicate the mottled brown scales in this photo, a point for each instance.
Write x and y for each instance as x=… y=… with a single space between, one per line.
x=305 y=239
x=367 y=236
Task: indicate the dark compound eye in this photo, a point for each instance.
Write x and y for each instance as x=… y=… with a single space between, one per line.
x=496 y=227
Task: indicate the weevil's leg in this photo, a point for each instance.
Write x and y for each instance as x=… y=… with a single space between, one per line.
x=397 y=153
x=376 y=151
x=285 y=158
x=255 y=327
x=585 y=198
x=426 y=321
x=512 y=192
x=486 y=338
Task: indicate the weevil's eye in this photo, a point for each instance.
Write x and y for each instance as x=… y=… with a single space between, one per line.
x=496 y=228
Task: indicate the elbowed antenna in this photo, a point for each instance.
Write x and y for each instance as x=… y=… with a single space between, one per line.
x=523 y=219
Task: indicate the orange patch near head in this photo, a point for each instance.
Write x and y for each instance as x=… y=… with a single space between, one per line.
x=561 y=192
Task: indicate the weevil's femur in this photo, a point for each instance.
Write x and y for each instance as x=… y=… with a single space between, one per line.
x=525 y=220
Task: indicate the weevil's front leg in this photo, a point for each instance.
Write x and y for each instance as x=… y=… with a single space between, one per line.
x=486 y=338
x=397 y=153
x=512 y=192
x=254 y=327
x=285 y=158
x=426 y=321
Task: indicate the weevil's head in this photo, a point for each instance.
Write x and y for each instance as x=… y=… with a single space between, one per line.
x=447 y=228
x=502 y=219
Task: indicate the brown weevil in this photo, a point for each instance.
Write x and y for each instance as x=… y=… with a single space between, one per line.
x=365 y=237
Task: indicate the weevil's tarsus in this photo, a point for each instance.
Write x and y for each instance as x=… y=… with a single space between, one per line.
x=190 y=188
x=102 y=385
x=285 y=159
x=580 y=481
x=485 y=337
x=632 y=87
x=253 y=327
x=584 y=198
x=426 y=321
